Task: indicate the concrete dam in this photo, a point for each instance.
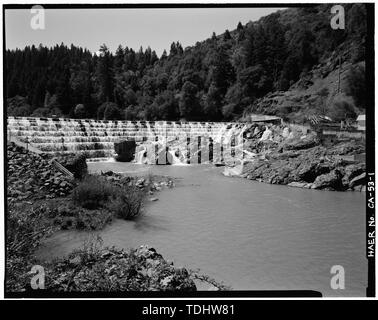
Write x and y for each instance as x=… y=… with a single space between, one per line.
x=185 y=142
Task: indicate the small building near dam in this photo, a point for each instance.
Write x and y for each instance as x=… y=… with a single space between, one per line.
x=266 y=119
x=361 y=122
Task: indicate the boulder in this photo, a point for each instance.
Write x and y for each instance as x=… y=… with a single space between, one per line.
x=285 y=132
x=352 y=171
x=309 y=171
x=297 y=184
x=359 y=180
x=125 y=150
x=330 y=180
x=233 y=171
x=267 y=135
x=348 y=148
x=300 y=144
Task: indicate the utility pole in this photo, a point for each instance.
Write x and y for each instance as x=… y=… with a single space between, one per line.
x=166 y=145
x=339 y=84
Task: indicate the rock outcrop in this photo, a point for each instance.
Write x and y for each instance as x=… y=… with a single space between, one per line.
x=32 y=176
x=303 y=163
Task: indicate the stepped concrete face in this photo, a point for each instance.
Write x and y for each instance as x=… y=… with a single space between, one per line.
x=185 y=142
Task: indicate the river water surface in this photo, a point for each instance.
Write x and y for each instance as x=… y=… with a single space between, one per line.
x=249 y=235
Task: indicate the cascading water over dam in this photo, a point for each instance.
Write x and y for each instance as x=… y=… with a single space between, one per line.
x=158 y=142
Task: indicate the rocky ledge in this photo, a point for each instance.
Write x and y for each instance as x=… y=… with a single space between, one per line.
x=111 y=269
x=308 y=166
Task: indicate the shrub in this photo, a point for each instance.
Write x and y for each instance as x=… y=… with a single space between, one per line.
x=128 y=202
x=92 y=192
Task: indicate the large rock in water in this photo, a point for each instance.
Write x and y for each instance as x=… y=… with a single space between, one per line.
x=332 y=180
x=125 y=150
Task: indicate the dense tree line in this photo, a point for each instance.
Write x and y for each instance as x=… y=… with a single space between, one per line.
x=213 y=80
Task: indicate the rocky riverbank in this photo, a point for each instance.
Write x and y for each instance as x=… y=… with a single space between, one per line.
x=297 y=159
x=32 y=176
x=34 y=180
x=150 y=184
x=41 y=201
x=116 y=270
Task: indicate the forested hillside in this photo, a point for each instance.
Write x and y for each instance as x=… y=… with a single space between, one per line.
x=218 y=79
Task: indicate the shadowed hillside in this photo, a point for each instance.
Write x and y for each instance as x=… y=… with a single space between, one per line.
x=287 y=63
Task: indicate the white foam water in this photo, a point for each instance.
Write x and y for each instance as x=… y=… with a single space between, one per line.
x=180 y=143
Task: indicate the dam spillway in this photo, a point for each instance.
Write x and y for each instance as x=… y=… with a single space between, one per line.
x=185 y=141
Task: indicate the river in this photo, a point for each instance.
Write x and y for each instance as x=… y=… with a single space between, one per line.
x=249 y=235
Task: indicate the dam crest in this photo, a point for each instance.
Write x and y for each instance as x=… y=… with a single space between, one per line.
x=184 y=142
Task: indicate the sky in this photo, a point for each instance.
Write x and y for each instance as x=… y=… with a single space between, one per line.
x=157 y=28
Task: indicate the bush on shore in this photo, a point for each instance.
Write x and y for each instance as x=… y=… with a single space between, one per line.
x=127 y=203
x=96 y=192
x=93 y=192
